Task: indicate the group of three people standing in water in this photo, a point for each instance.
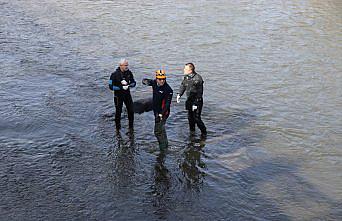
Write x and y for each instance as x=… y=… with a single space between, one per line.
x=122 y=79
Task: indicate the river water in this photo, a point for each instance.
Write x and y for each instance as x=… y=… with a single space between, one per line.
x=272 y=106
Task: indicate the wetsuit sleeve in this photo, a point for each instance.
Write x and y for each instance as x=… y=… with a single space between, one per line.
x=182 y=88
x=111 y=83
x=147 y=82
x=166 y=104
x=132 y=82
x=199 y=87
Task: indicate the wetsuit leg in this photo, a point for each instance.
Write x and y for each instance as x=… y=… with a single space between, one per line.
x=191 y=119
x=118 y=101
x=198 y=119
x=160 y=133
x=129 y=105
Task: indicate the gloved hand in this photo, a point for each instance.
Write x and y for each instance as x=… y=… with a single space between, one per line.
x=124 y=82
x=178 y=98
x=125 y=87
x=194 y=107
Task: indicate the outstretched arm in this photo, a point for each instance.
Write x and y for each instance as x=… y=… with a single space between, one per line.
x=147 y=82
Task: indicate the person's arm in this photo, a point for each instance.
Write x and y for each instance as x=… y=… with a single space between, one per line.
x=147 y=82
x=167 y=103
x=181 y=91
x=111 y=83
x=182 y=88
x=198 y=93
x=132 y=82
x=199 y=89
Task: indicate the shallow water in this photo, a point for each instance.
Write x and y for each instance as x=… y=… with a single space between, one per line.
x=273 y=76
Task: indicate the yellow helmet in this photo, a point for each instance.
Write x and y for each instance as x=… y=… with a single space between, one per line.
x=160 y=74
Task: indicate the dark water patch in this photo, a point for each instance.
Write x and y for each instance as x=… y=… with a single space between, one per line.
x=27 y=186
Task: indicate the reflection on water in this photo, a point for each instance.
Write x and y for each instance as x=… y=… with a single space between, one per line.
x=161 y=187
x=123 y=158
x=168 y=186
x=192 y=166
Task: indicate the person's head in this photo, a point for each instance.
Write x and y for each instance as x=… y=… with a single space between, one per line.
x=123 y=64
x=189 y=68
x=160 y=77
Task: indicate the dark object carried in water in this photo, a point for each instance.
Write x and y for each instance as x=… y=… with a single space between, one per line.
x=142 y=105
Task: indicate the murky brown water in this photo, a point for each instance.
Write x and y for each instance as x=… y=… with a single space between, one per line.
x=273 y=76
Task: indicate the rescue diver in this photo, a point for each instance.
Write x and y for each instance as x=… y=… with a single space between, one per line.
x=162 y=96
x=121 y=80
x=193 y=85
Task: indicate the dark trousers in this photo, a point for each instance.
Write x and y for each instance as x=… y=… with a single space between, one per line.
x=194 y=117
x=160 y=133
x=119 y=100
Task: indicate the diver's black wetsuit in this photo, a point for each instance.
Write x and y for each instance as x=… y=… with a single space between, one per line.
x=193 y=85
x=122 y=96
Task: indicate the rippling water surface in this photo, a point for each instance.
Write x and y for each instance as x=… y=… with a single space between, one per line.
x=273 y=76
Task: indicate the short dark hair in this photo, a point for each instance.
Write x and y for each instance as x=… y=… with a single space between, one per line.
x=191 y=66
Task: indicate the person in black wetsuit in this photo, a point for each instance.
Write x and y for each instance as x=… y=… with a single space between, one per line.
x=193 y=85
x=162 y=96
x=121 y=80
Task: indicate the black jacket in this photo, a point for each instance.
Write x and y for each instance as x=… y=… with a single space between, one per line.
x=162 y=97
x=193 y=85
x=115 y=81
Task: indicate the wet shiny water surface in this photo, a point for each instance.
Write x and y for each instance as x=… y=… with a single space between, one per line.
x=272 y=105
